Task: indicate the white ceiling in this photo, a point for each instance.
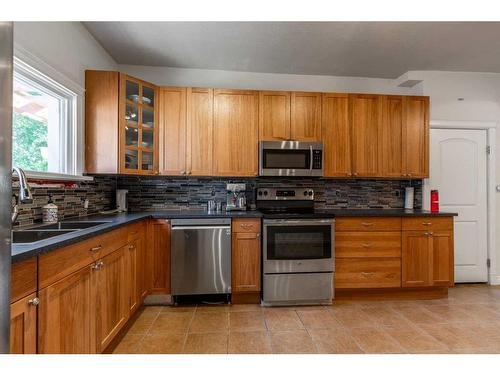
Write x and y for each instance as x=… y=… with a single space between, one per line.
x=363 y=49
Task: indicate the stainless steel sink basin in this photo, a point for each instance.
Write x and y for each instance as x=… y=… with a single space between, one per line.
x=72 y=225
x=30 y=236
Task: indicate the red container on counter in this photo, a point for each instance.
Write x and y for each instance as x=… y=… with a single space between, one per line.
x=434 y=201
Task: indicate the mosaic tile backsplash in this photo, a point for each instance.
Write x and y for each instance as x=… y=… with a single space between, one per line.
x=156 y=193
x=162 y=193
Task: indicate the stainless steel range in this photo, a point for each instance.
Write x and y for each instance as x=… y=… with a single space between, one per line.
x=298 y=248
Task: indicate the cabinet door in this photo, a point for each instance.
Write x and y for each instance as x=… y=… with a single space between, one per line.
x=442 y=258
x=133 y=276
x=336 y=135
x=245 y=268
x=306 y=116
x=200 y=120
x=172 y=131
x=365 y=118
x=274 y=115
x=416 y=136
x=110 y=287
x=235 y=132
x=416 y=259
x=23 y=325
x=158 y=257
x=138 y=126
x=391 y=127
x=66 y=315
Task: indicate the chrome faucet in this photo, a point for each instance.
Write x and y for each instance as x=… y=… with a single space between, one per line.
x=24 y=195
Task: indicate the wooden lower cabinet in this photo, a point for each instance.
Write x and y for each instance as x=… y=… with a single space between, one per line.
x=245 y=262
x=158 y=257
x=23 y=325
x=427 y=258
x=66 y=315
x=111 y=296
x=134 y=275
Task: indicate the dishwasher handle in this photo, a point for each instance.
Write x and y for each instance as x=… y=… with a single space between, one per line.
x=203 y=227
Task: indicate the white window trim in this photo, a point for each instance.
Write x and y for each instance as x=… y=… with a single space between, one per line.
x=25 y=59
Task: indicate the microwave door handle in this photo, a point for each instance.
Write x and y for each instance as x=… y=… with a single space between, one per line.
x=311 y=158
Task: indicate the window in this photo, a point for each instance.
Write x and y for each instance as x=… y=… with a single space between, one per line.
x=44 y=123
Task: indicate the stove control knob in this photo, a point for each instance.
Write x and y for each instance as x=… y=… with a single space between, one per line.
x=310 y=193
x=305 y=193
x=265 y=192
x=260 y=193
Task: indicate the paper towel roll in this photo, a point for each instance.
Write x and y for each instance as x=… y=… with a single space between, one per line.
x=409 y=197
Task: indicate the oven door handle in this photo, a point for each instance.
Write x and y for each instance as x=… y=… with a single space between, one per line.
x=282 y=222
x=311 y=158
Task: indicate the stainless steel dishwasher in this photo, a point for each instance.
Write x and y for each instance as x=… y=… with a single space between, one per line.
x=201 y=256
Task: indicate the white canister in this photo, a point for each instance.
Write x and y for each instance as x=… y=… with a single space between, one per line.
x=409 y=198
x=49 y=212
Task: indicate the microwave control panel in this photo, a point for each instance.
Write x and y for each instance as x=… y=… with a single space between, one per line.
x=317 y=159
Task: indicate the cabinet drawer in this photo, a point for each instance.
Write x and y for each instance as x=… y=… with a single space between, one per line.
x=367 y=273
x=60 y=263
x=425 y=223
x=368 y=244
x=368 y=224
x=246 y=225
x=23 y=276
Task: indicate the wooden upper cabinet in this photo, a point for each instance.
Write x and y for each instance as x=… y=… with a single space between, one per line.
x=391 y=127
x=336 y=135
x=66 y=315
x=199 y=139
x=365 y=113
x=416 y=136
x=274 y=115
x=173 y=130
x=305 y=116
x=235 y=132
x=121 y=124
x=23 y=326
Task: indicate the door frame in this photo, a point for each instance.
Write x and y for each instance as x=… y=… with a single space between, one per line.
x=490 y=128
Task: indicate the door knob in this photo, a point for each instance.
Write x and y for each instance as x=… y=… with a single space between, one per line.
x=34 y=302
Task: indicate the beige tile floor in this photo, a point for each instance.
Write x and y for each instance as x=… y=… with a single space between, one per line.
x=468 y=321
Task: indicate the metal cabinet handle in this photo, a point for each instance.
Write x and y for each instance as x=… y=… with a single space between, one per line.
x=257 y=235
x=96 y=248
x=131 y=247
x=245 y=225
x=188 y=172
x=355 y=173
x=97 y=266
x=427 y=223
x=34 y=302
x=366 y=244
x=366 y=224
x=183 y=172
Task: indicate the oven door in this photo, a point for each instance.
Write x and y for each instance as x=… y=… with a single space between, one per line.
x=290 y=158
x=298 y=245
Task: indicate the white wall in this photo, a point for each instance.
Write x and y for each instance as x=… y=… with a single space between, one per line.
x=261 y=81
x=481 y=102
x=66 y=46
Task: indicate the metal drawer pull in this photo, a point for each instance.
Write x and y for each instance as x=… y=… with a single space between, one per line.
x=367 y=224
x=244 y=225
x=134 y=232
x=97 y=266
x=366 y=244
x=367 y=274
x=428 y=223
x=131 y=247
x=96 y=248
x=34 y=302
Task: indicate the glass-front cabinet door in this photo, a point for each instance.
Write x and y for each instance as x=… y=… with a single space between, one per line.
x=138 y=127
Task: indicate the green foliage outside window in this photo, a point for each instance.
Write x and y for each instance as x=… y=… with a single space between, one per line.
x=29 y=136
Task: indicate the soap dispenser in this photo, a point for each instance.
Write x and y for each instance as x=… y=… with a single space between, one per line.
x=49 y=212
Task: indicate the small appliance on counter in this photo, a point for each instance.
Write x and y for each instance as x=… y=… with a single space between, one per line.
x=121 y=200
x=297 y=246
x=236 y=197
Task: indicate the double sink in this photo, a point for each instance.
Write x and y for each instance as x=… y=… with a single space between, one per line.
x=43 y=232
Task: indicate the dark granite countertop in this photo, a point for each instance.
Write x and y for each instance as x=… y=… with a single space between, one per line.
x=112 y=221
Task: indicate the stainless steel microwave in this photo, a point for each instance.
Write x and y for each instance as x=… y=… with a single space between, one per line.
x=290 y=158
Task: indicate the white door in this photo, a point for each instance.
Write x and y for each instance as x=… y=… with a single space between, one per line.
x=458 y=169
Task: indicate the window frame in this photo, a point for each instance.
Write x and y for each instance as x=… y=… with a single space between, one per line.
x=72 y=133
